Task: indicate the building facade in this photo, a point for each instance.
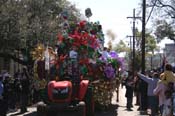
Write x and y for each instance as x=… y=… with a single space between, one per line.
x=169 y=52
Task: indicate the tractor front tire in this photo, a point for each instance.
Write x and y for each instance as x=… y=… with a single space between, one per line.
x=82 y=109
x=41 y=109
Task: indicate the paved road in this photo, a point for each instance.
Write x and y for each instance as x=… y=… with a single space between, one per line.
x=122 y=106
x=117 y=109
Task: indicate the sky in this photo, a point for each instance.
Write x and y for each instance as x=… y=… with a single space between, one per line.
x=112 y=14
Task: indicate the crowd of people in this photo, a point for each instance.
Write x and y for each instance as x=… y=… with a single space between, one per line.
x=159 y=95
x=16 y=92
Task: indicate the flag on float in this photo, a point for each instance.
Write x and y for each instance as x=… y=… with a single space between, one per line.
x=47 y=59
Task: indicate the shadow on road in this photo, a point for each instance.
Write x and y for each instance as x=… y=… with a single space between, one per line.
x=111 y=111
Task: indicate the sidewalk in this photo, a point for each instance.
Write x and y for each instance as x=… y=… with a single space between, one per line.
x=122 y=105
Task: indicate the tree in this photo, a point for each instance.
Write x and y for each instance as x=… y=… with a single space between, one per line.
x=163 y=18
x=164 y=7
x=150 y=47
x=121 y=47
x=164 y=30
x=24 y=23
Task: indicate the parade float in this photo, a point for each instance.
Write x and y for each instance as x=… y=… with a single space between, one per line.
x=79 y=54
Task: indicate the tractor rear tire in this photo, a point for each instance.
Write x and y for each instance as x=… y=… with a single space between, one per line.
x=82 y=109
x=41 y=109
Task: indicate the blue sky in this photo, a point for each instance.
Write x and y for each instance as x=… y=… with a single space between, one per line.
x=112 y=14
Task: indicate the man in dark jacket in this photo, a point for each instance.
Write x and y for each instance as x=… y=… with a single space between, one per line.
x=17 y=88
x=3 y=106
x=24 y=94
x=129 y=91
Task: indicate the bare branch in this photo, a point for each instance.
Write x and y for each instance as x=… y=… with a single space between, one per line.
x=165 y=5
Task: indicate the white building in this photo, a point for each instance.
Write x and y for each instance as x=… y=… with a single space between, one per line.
x=169 y=51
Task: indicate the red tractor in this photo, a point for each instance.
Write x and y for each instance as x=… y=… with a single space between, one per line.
x=67 y=94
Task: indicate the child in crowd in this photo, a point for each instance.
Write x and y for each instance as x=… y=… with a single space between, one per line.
x=168 y=75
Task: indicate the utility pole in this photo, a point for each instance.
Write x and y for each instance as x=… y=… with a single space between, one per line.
x=130 y=42
x=143 y=35
x=130 y=37
x=143 y=87
x=134 y=20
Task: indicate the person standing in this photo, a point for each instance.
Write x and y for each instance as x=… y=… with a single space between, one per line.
x=143 y=86
x=152 y=99
x=1 y=88
x=17 y=84
x=3 y=108
x=159 y=91
x=24 y=93
x=167 y=107
x=6 y=95
x=12 y=103
x=136 y=90
x=123 y=81
x=166 y=77
x=129 y=91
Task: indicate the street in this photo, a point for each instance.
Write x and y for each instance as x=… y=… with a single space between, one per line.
x=116 y=109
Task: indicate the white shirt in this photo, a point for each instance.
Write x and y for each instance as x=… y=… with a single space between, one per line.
x=73 y=54
x=105 y=55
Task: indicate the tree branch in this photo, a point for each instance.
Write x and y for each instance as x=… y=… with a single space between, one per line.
x=166 y=5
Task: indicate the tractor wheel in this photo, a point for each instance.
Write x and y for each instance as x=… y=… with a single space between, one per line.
x=52 y=111
x=89 y=101
x=41 y=109
x=81 y=109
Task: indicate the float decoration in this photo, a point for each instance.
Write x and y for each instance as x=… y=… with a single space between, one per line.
x=88 y=39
